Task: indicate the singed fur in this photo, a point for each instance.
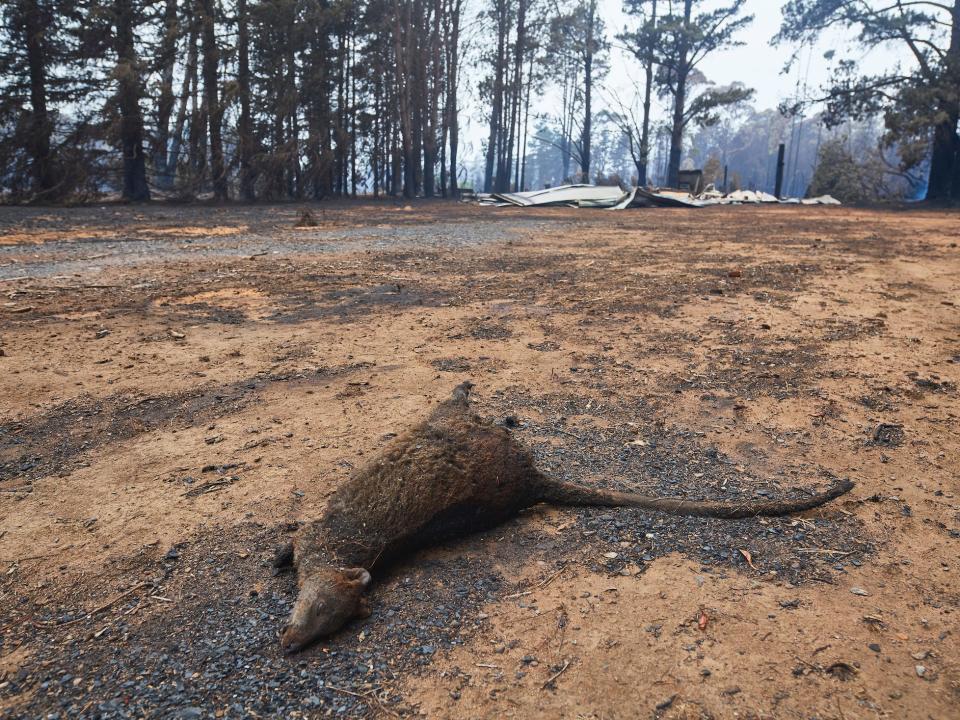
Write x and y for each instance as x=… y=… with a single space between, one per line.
x=450 y=475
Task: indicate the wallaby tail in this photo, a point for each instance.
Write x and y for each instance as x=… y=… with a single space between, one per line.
x=562 y=493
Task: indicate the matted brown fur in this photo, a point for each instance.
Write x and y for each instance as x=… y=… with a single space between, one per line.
x=450 y=475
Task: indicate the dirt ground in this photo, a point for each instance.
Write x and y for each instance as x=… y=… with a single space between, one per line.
x=180 y=385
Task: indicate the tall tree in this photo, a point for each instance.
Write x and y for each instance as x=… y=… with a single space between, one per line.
x=921 y=104
x=35 y=43
x=642 y=42
x=129 y=92
x=453 y=11
x=282 y=97
x=34 y=22
x=579 y=46
x=165 y=66
x=501 y=17
x=211 y=82
x=245 y=141
x=684 y=39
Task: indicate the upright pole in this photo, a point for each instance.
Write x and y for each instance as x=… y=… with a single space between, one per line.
x=779 y=186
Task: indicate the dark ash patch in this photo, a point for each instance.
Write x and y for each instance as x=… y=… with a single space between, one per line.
x=672 y=462
x=490 y=331
x=454 y=364
x=216 y=646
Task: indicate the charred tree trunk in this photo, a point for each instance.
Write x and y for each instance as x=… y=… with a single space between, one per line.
x=167 y=56
x=197 y=132
x=40 y=126
x=496 y=111
x=516 y=96
x=944 y=183
x=645 y=130
x=406 y=87
x=128 y=100
x=211 y=63
x=189 y=76
x=291 y=103
x=679 y=102
x=526 y=121
x=432 y=99
x=452 y=79
x=587 y=129
x=245 y=122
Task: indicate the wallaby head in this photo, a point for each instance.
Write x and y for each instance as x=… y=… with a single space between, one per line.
x=329 y=598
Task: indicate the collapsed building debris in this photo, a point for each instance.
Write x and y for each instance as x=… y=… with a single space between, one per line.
x=612 y=197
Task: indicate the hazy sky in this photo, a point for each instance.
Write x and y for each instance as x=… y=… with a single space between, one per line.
x=757 y=64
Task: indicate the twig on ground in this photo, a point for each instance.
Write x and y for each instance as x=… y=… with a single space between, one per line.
x=366 y=697
x=106 y=605
x=552 y=577
x=553 y=677
x=209 y=487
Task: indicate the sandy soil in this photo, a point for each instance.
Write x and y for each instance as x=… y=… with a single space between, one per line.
x=181 y=385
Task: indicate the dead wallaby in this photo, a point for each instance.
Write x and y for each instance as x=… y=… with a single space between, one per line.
x=452 y=474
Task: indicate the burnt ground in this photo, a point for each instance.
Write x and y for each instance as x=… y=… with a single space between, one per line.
x=181 y=385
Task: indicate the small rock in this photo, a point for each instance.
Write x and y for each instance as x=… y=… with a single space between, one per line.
x=921 y=670
x=874 y=646
x=859 y=591
x=664 y=704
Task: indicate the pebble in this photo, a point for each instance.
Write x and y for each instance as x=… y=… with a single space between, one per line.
x=859 y=591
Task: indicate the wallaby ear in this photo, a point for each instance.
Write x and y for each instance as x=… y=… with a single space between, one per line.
x=357 y=575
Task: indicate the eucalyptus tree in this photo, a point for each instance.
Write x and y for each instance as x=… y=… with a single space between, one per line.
x=920 y=101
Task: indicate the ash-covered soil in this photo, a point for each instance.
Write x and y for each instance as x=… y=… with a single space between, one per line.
x=182 y=385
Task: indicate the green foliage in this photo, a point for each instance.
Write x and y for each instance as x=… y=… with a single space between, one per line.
x=853 y=177
x=704 y=110
x=920 y=103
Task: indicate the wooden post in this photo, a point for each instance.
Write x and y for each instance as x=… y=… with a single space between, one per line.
x=780 y=163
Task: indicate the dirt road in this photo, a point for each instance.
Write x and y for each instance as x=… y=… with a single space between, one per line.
x=180 y=386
